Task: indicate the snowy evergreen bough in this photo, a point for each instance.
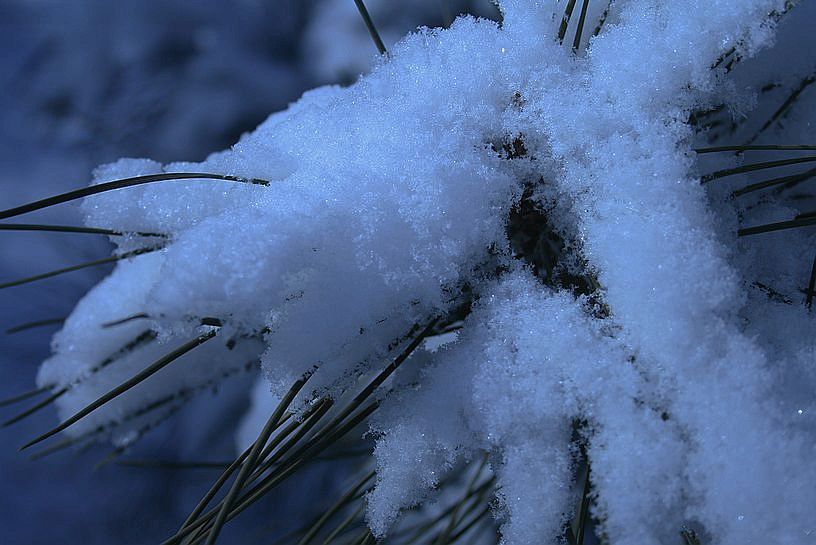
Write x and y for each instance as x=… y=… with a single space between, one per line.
x=556 y=266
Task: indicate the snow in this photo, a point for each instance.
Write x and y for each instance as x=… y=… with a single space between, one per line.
x=389 y=196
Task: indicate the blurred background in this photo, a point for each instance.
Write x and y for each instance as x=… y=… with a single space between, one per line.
x=84 y=83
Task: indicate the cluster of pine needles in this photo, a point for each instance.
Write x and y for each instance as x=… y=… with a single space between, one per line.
x=293 y=439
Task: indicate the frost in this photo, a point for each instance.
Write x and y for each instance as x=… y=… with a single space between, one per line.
x=392 y=202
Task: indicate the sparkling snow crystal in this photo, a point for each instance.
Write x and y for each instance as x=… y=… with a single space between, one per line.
x=401 y=198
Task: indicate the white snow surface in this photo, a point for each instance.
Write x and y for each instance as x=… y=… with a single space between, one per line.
x=386 y=197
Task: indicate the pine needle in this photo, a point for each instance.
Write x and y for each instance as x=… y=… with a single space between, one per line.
x=467 y=527
x=88 y=437
x=562 y=30
x=731 y=56
x=602 y=20
x=756 y=166
x=764 y=147
x=366 y=538
x=372 y=30
x=791 y=179
x=333 y=430
x=57 y=447
x=32 y=325
x=72 y=229
x=300 y=428
x=111 y=457
x=23 y=396
x=144 y=338
x=799 y=221
x=283 y=472
x=202 y=504
x=252 y=460
x=476 y=496
x=136 y=435
x=583 y=510
x=199 y=523
x=57 y=272
x=114 y=323
x=120 y=184
x=445 y=536
x=225 y=475
x=31 y=410
x=355 y=515
x=125 y=386
x=335 y=508
x=576 y=44
x=786 y=105
x=811 y=286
